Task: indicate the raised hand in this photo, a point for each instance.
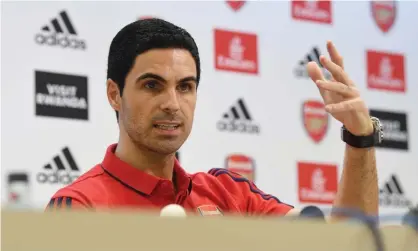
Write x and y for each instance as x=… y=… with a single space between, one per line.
x=341 y=97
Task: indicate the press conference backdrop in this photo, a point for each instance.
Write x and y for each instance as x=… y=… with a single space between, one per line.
x=258 y=113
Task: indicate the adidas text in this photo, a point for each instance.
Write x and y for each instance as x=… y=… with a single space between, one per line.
x=55 y=178
x=63 y=41
x=394 y=201
x=238 y=126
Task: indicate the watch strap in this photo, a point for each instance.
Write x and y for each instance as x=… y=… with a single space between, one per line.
x=363 y=141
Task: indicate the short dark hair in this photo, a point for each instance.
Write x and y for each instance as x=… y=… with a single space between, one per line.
x=141 y=36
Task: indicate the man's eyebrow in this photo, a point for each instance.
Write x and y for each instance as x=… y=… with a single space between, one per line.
x=188 y=79
x=159 y=78
x=150 y=75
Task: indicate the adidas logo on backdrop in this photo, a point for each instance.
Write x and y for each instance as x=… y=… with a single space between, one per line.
x=60 y=32
x=301 y=71
x=238 y=119
x=392 y=194
x=60 y=173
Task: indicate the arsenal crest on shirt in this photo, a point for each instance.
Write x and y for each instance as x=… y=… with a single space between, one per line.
x=235 y=5
x=209 y=210
x=384 y=13
x=315 y=119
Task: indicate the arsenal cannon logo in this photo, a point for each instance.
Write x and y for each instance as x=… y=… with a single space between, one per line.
x=384 y=13
x=315 y=119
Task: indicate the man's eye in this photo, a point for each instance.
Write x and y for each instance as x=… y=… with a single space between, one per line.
x=151 y=84
x=184 y=87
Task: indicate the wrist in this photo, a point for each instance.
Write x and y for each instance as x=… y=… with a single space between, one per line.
x=368 y=138
x=368 y=130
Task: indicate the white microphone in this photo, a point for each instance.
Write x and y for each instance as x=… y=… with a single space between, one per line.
x=173 y=210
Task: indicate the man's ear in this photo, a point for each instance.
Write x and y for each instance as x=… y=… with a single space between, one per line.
x=113 y=94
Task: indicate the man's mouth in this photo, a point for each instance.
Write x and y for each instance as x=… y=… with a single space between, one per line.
x=168 y=127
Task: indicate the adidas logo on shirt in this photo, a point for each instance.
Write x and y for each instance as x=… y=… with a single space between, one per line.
x=238 y=119
x=301 y=71
x=59 y=172
x=392 y=194
x=60 y=32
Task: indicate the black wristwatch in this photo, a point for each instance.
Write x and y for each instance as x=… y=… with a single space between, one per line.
x=364 y=141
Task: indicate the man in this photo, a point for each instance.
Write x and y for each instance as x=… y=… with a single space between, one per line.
x=153 y=76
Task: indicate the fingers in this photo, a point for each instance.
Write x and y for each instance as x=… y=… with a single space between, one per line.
x=337 y=72
x=315 y=73
x=345 y=106
x=337 y=87
x=335 y=65
x=335 y=55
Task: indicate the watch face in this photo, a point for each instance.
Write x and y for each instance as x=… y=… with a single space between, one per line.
x=378 y=128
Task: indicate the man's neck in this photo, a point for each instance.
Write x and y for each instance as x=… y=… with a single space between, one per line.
x=145 y=160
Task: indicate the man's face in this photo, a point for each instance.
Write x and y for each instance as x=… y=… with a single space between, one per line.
x=159 y=100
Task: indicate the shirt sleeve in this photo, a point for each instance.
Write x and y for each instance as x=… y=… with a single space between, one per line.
x=65 y=203
x=250 y=199
x=68 y=198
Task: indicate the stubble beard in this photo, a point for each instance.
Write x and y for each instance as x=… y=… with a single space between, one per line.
x=142 y=140
x=142 y=136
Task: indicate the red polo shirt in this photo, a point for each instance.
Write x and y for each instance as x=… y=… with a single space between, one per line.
x=116 y=184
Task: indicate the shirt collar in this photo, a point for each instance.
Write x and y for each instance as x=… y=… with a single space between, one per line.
x=138 y=179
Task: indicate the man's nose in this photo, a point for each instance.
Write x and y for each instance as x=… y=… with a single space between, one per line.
x=171 y=102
